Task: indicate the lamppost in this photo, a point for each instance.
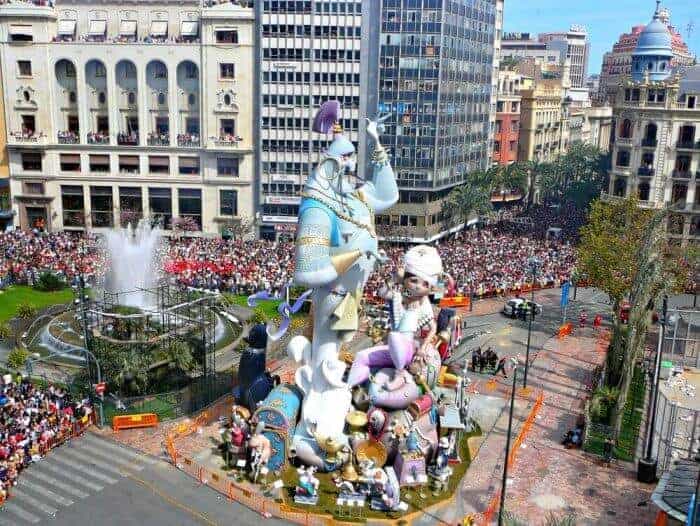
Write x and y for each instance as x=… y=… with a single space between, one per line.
x=82 y=302
x=646 y=467
x=505 y=462
x=533 y=265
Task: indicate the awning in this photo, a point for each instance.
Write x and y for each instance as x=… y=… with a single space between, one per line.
x=127 y=28
x=99 y=158
x=70 y=158
x=189 y=28
x=23 y=30
x=128 y=160
x=159 y=28
x=97 y=28
x=66 y=27
x=189 y=162
x=159 y=161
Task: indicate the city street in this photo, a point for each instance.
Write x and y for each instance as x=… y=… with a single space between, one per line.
x=95 y=481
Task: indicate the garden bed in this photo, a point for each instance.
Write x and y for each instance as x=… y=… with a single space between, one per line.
x=626 y=445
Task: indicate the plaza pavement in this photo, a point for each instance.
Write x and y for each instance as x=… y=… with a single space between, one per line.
x=547 y=478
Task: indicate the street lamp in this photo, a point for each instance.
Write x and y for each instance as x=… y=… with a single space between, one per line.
x=505 y=462
x=533 y=266
x=646 y=467
x=82 y=302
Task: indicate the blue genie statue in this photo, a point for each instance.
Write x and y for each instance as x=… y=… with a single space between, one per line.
x=336 y=250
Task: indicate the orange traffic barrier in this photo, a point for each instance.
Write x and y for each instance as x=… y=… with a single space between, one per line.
x=455 y=301
x=134 y=421
x=565 y=330
x=661 y=519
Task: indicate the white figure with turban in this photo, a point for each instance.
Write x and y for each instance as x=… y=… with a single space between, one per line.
x=336 y=250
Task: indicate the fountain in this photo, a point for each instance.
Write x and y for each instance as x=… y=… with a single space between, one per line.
x=132 y=254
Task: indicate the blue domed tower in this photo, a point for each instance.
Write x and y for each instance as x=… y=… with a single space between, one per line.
x=654 y=51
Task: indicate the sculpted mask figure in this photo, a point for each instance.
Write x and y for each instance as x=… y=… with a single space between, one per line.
x=336 y=250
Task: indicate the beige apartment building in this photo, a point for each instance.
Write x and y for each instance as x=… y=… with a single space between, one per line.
x=115 y=110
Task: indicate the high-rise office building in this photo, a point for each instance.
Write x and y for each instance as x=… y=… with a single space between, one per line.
x=574 y=46
x=309 y=53
x=435 y=63
x=516 y=46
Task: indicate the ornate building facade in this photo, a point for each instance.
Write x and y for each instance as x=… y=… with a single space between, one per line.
x=656 y=153
x=617 y=64
x=118 y=111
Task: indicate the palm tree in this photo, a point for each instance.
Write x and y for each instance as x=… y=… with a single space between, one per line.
x=511 y=179
x=466 y=201
x=181 y=355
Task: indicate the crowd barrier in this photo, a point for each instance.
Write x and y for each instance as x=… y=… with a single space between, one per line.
x=77 y=429
x=492 y=508
x=134 y=421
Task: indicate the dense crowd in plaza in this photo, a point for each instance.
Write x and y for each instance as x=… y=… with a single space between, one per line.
x=32 y=419
x=480 y=261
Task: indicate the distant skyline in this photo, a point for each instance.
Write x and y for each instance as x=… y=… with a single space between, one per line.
x=605 y=20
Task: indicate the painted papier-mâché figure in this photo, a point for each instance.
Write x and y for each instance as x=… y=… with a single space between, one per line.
x=336 y=250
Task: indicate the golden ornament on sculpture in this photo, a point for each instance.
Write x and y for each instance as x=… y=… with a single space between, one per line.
x=371 y=450
x=349 y=473
x=357 y=420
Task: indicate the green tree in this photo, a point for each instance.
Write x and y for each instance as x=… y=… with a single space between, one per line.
x=609 y=244
x=625 y=253
x=511 y=179
x=181 y=355
x=5 y=331
x=26 y=311
x=49 y=282
x=466 y=201
x=17 y=358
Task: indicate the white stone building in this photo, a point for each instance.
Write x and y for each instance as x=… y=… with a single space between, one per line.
x=656 y=154
x=123 y=109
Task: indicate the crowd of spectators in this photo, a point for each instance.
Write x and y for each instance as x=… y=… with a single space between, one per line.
x=33 y=419
x=480 y=261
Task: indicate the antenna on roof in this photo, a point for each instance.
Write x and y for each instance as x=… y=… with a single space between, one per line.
x=690 y=28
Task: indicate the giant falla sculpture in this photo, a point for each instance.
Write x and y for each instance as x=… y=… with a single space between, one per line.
x=382 y=423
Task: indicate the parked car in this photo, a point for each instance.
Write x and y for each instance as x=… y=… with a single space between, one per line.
x=511 y=306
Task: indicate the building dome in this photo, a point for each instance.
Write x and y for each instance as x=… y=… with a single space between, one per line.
x=654 y=52
x=655 y=39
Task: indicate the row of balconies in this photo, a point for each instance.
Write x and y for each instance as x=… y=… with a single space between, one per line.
x=184 y=140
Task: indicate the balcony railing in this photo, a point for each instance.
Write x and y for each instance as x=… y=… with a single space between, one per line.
x=649 y=142
x=27 y=136
x=688 y=145
x=67 y=137
x=680 y=174
x=128 y=139
x=162 y=139
x=5 y=202
x=97 y=138
x=227 y=140
x=188 y=140
x=645 y=172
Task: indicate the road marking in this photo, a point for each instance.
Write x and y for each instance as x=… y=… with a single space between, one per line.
x=87 y=458
x=35 y=502
x=90 y=472
x=167 y=498
x=23 y=514
x=103 y=442
x=105 y=455
x=42 y=490
x=33 y=473
x=72 y=477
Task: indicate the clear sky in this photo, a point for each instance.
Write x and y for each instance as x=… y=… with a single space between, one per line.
x=604 y=19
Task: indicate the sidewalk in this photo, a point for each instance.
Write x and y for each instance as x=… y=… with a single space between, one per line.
x=546 y=477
